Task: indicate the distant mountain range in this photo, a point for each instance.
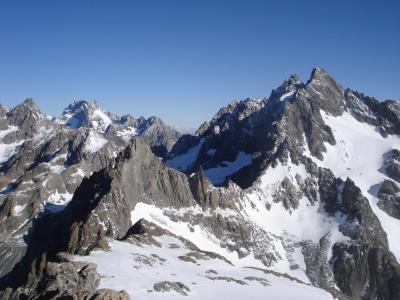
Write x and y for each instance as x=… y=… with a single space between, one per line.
x=294 y=196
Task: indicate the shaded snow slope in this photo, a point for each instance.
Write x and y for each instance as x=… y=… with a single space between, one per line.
x=184 y=161
x=218 y=174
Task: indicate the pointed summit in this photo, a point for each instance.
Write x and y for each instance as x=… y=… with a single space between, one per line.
x=319 y=74
x=326 y=91
x=27 y=116
x=28 y=105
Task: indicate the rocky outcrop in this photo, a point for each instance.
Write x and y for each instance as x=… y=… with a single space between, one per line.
x=389 y=198
x=393 y=171
x=107 y=294
x=208 y=196
x=72 y=280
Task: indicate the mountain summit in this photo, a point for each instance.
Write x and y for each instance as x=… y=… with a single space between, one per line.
x=86 y=114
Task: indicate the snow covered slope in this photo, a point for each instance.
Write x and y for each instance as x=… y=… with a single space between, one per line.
x=170 y=268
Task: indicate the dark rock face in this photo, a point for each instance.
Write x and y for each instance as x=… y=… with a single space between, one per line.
x=389 y=198
x=393 y=171
x=391 y=165
x=364 y=269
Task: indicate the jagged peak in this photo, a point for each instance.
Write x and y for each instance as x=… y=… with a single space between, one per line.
x=30 y=104
x=27 y=106
x=81 y=105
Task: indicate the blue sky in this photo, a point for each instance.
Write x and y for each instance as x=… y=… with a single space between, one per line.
x=183 y=60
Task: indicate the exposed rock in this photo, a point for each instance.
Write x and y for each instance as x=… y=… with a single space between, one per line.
x=389 y=198
x=365 y=268
x=288 y=195
x=261 y=280
x=228 y=279
x=106 y=294
x=168 y=286
x=389 y=188
x=393 y=171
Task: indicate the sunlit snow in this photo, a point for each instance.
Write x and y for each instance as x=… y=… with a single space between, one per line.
x=94 y=142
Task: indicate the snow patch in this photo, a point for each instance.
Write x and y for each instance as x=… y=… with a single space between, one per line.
x=286 y=96
x=18 y=209
x=59 y=198
x=8 y=150
x=94 y=142
x=5 y=132
x=100 y=120
x=218 y=175
x=127 y=133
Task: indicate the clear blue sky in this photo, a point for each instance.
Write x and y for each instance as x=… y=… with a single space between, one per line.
x=182 y=60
